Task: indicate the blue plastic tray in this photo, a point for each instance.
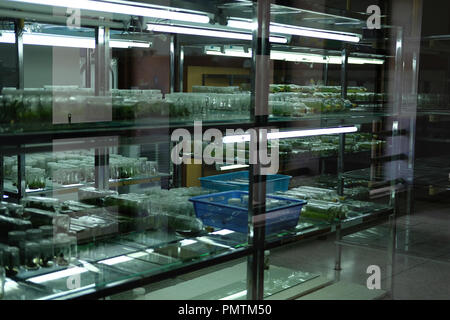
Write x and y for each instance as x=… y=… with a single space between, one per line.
x=214 y=210
x=224 y=182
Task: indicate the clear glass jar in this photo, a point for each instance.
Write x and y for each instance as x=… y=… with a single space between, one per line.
x=34 y=235
x=47 y=254
x=47 y=232
x=18 y=239
x=32 y=255
x=62 y=250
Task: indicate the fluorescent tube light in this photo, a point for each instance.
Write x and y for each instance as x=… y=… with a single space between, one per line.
x=230 y=53
x=298 y=31
x=53 y=40
x=294 y=56
x=123 y=8
x=199 y=32
x=300 y=57
x=354 y=60
x=241 y=24
x=309 y=133
x=208 y=32
x=233 y=166
x=58 y=275
x=291 y=134
x=312 y=33
x=128 y=44
x=275 y=39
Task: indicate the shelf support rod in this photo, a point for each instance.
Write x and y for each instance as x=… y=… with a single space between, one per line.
x=18 y=31
x=1 y=177
x=259 y=115
x=103 y=61
x=172 y=62
x=21 y=181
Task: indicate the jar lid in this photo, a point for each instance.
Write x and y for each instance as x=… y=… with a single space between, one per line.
x=34 y=234
x=16 y=236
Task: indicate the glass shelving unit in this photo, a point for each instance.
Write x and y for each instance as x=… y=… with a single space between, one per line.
x=115 y=252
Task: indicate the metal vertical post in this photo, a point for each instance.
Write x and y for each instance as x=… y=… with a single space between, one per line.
x=344 y=70
x=18 y=31
x=102 y=88
x=340 y=165
x=102 y=168
x=102 y=62
x=88 y=69
x=342 y=136
x=181 y=70
x=340 y=190
x=397 y=104
x=325 y=74
x=259 y=114
x=172 y=63
x=21 y=182
x=1 y=176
